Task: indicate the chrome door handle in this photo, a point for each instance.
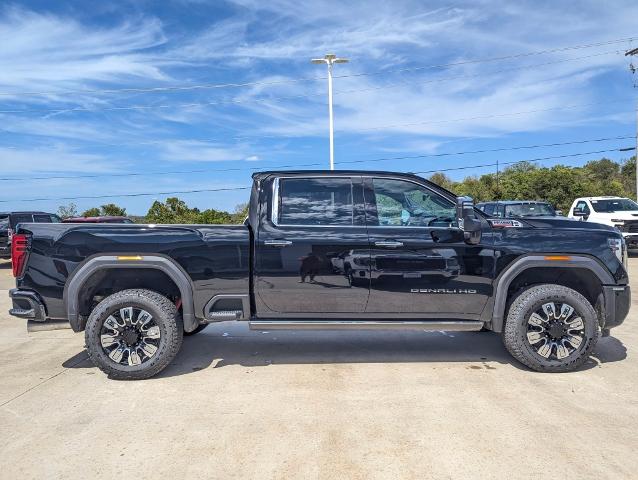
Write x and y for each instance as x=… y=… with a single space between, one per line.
x=277 y=243
x=389 y=243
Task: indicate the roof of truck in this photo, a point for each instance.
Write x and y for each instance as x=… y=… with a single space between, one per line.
x=610 y=197
x=335 y=173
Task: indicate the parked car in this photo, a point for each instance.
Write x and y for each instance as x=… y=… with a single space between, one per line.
x=517 y=208
x=102 y=219
x=9 y=220
x=618 y=212
x=549 y=285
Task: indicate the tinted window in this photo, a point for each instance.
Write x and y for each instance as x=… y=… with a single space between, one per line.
x=582 y=206
x=529 y=210
x=614 y=205
x=4 y=223
x=489 y=209
x=315 y=201
x=21 y=218
x=402 y=203
x=46 y=218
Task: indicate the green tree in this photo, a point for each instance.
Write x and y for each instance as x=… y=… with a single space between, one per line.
x=91 y=212
x=110 y=209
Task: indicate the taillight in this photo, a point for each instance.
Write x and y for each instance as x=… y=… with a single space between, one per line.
x=19 y=250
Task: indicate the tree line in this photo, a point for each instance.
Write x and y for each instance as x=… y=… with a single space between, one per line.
x=173 y=210
x=558 y=185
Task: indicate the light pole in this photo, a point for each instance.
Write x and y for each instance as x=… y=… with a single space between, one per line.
x=330 y=59
x=633 y=70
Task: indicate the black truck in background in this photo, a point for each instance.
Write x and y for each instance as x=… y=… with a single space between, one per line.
x=327 y=250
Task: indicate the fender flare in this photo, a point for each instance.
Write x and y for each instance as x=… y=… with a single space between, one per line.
x=503 y=281
x=99 y=262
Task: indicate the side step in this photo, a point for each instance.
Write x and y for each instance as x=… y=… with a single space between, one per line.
x=440 y=325
x=33 y=326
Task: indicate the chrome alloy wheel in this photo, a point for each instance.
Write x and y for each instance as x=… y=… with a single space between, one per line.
x=555 y=331
x=130 y=336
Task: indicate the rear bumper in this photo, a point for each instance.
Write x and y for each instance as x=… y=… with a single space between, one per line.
x=27 y=304
x=617 y=303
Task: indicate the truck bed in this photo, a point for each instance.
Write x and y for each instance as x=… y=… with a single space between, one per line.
x=214 y=257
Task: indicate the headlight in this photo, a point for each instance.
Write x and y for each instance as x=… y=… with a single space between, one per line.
x=617 y=245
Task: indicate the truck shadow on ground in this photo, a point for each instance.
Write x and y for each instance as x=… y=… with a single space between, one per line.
x=5 y=264
x=217 y=347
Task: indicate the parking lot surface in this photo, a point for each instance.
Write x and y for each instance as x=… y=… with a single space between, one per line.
x=242 y=404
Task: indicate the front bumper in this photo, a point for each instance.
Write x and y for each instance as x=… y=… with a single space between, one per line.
x=27 y=304
x=617 y=303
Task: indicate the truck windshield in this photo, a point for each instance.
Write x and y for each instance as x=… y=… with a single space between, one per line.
x=529 y=210
x=614 y=205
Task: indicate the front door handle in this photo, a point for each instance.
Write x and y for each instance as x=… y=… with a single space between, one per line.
x=389 y=243
x=277 y=243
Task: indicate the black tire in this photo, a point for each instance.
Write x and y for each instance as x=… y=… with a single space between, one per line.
x=164 y=315
x=519 y=325
x=197 y=330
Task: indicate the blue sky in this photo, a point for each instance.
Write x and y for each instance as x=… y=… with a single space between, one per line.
x=401 y=107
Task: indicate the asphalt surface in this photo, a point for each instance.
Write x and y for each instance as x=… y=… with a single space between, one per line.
x=288 y=405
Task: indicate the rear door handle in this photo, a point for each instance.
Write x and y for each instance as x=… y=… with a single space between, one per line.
x=389 y=243
x=277 y=243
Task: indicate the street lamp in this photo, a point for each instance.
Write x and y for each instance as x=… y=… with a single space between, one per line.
x=330 y=59
x=631 y=53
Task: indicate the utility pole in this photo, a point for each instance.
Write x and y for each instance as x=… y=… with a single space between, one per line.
x=631 y=53
x=330 y=59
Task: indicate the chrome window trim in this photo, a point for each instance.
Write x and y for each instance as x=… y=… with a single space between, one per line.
x=274 y=217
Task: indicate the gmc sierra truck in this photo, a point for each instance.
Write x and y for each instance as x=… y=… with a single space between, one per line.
x=327 y=250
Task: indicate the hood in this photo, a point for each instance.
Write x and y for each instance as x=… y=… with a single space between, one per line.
x=620 y=215
x=566 y=223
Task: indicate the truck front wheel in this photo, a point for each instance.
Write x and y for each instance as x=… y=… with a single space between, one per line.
x=551 y=328
x=133 y=334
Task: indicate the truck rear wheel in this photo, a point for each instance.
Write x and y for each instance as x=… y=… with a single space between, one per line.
x=133 y=334
x=551 y=328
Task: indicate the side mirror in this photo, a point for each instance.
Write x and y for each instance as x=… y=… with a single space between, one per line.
x=467 y=220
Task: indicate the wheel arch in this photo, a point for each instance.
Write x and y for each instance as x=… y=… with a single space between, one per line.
x=97 y=263
x=550 y=262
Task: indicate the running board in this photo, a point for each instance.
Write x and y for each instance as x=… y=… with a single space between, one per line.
x=33 y=326
x=441 y=325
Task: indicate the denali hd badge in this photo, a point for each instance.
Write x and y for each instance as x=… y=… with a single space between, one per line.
x=442 y=290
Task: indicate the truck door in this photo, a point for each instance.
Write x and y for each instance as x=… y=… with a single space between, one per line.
x=420 y=263
x=312 y=253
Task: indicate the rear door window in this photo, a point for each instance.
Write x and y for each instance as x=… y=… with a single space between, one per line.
x=314 y=201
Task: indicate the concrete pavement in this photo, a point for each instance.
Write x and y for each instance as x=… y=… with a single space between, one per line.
x=242 y=404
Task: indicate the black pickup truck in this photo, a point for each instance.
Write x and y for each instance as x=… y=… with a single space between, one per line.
x=327 y=250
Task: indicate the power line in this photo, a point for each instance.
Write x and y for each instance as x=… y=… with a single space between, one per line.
x=248 y=188
x=169 y=88
x=235 y=169
x=291 y=97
